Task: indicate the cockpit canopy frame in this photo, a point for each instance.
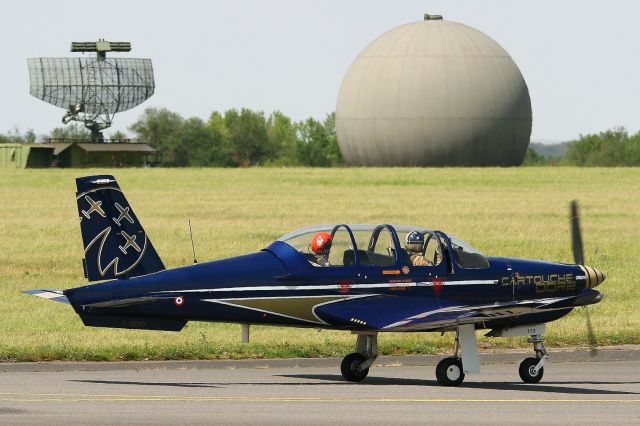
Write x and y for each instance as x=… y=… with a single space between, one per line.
x=361 y=244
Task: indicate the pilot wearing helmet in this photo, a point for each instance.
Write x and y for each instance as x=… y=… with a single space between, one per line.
x=413 y=243
x=320 y=245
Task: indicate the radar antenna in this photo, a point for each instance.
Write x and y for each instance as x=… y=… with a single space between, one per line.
x=92 y=89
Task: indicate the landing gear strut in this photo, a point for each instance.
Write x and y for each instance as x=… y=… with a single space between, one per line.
x=355 y=366
x=532 y=369
x=449 y=371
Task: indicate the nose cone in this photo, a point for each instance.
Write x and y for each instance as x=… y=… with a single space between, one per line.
x=594 y=276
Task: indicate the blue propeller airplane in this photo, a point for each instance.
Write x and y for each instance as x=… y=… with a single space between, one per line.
x=358 y=278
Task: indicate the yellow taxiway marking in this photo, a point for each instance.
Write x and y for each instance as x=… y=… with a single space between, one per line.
x=18 y=397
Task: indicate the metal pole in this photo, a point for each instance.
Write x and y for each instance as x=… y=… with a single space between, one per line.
x=245 y=333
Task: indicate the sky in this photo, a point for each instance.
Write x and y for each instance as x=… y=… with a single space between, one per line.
x=580 y=59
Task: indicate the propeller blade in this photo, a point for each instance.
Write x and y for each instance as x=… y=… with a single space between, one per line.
x=578 y=258
x=576 y=236
x=591 y=335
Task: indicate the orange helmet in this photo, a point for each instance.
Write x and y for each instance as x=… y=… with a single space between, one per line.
x=321 y=243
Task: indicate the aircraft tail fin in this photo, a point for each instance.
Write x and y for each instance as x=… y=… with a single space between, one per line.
x=115 y=243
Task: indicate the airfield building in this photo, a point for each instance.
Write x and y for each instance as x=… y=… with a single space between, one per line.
x=25 y=155
x=69 y=153
x=433 y=93
x=77 y=153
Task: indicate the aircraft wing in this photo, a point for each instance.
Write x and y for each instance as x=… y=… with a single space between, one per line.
x=397 y=313
x=377 y=312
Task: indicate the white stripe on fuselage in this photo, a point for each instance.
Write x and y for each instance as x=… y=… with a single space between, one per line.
x=332 y=286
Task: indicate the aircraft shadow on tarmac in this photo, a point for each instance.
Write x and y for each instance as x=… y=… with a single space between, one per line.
x=11 y=411
x=549 y=387
x=137 y=383
x=211 y=385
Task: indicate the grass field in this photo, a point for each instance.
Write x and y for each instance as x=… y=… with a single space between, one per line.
x=518 y=212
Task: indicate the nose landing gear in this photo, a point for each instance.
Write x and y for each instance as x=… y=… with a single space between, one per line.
x=532 y=369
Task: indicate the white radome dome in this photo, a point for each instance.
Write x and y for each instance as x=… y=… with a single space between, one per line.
x=433 y=93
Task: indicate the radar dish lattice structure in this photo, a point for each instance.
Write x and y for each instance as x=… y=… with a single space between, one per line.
x=92 y=89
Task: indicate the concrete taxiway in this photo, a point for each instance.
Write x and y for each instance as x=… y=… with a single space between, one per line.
x=576 y=389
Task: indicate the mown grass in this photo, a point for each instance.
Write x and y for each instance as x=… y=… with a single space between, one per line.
x=519 y=212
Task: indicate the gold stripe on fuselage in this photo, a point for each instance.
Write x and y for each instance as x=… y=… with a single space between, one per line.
x=294 y=307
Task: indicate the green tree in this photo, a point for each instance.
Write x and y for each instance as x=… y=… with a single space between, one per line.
x=70 y=131
x=30 y=136
x=317 y=143
x=247 y=137
x=218 y=128
x=163 y=129
x=118 y=136
x=205 y=143
x=281 y=133
x=532 y=158
x=334 y=155
x=15 y=135
x=632 y=151
x=609 y=148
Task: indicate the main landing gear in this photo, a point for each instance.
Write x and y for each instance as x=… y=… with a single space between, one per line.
x=449 y=371
x=355 y=366
x=532 y=369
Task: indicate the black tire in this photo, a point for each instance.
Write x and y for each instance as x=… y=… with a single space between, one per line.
x=526 y=370
x=350 y=367
x=449 y=372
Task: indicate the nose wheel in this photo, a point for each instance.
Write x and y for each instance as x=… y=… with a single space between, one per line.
x=532 y=369
x=528 y=371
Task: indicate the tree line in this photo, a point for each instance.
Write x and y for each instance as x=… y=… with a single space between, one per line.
x=15 y=135
x=234 y=138
x=611 y=148
x=239 y=138
x=245 y=138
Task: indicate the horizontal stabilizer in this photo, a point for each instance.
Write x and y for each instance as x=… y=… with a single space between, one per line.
x=55 y=295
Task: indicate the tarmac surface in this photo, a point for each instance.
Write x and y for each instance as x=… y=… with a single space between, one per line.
x=576 y=388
